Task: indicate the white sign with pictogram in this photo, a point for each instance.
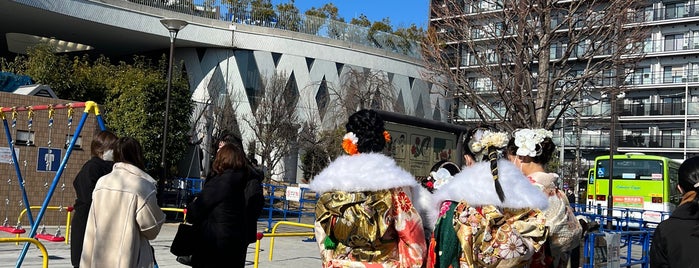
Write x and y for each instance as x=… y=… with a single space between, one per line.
x=48 y=160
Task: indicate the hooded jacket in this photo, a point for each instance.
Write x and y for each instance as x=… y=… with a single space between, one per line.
x=365 y=215
x=124 y=215
x=676 y=239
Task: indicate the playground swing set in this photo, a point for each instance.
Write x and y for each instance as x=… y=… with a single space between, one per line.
x=49 y=186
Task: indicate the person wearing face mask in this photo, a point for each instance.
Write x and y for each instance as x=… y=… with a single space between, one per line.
x=531 y=150
x=100 y=164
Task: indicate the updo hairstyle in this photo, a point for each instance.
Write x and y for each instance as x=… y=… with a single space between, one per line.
x=544 y=150
x=368 y=126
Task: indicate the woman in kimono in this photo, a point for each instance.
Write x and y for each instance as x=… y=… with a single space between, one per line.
x=365 y=216
x=489 y=215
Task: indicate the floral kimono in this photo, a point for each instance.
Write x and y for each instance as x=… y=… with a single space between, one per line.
x=365 y=216
x=475 y=229
x=565 y=232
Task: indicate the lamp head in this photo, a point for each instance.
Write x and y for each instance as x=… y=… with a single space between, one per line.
x=173 y=25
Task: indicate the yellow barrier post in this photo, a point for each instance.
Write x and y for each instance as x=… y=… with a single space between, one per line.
x=68 y=223
x=180 y=210
x=260 y=235
x=274 y=234
x=44 y=253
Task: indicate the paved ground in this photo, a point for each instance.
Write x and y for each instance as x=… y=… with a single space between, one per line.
x=288 y=251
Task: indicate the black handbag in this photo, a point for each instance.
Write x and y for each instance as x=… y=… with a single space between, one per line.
x=184 y=242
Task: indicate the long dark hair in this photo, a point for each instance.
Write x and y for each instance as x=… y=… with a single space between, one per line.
x=129 y=150
x=689 y=178
x=368 y=126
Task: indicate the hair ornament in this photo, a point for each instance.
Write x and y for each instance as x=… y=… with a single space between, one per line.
x=441 y=176
x=349 y=143
x=386 y=136
x=483 y=139
x=527 y=140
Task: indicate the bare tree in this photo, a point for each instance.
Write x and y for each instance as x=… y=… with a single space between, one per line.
x=363 y=88
x=275 y=123
x=520 y=63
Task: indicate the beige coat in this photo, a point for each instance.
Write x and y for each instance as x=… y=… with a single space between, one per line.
x=124 y=215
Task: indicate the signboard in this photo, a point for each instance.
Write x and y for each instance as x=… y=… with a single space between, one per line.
x=416 y=149
x=628 y=201
x=6 y=156
x=607 y=250
x=293 y=193
x=48 y=160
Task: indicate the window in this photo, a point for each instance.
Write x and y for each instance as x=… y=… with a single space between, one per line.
x=78 y=143
x=673 y=74
x=24 y=137
x=673 y=42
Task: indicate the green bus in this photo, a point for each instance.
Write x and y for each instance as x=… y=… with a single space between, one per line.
x=646 y=183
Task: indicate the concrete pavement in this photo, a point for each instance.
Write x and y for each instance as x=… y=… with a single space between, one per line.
x=288 y=251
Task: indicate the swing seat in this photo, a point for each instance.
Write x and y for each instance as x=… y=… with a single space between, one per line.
x=50 y=237
x=12 y=230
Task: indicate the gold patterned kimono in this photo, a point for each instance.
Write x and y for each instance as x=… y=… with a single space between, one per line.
x=486 y=236
x=473 y=228
x=359 y=224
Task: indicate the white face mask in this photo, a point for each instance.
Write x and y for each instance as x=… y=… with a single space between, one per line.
x=108 y=155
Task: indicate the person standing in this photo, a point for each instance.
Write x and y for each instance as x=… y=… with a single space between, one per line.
x=531 y=150
x=100 y=164
x=124 y=214
x=365 y=216
x=676 y=239
x=488 y=215
x=218 y=214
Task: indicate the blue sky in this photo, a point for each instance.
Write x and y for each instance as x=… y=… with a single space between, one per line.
x=401 y=12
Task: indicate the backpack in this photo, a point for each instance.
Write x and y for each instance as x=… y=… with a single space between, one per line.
x=254 y=202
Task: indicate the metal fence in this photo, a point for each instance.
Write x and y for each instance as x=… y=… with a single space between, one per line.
x=290 y=21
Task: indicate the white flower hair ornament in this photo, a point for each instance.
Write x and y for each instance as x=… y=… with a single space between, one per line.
x=526 y=141
x=441 y=176
x=483 y=139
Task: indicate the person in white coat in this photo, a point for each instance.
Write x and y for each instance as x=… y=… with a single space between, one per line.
x=124 y=214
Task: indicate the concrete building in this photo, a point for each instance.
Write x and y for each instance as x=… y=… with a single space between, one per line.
x=227 y=51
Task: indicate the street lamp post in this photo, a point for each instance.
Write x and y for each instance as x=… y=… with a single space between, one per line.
x=173 y=26
x=612 y=148
x=686 y=110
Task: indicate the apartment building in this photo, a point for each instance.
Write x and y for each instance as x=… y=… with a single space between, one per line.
x=657 y=112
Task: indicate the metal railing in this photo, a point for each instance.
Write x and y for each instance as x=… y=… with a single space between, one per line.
x=274 y=234
x=297 y=22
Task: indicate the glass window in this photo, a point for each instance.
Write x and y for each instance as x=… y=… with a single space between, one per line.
x=24 y=137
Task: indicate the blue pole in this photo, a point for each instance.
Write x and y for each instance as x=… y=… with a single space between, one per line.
x=35 y=226
x=100 y=121
x=17 y=170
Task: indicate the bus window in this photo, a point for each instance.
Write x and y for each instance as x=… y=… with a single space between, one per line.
x=631 y=169
x=591 y=176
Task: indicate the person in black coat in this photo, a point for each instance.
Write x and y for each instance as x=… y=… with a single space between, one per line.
x=100 y=164
x=676 y=239
x=218 y=213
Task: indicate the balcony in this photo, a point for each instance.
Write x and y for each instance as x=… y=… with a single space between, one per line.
x=665 y=109
x=668 y=12
x=628 y=142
